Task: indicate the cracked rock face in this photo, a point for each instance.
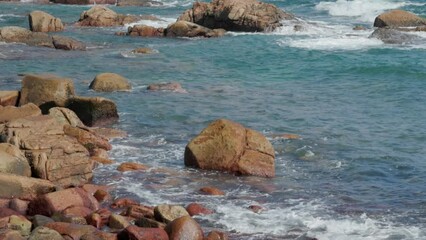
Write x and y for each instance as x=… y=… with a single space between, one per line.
x=228 y=146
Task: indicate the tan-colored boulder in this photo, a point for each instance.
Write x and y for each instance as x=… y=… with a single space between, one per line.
x=21 y=224
x=13 y=160
x=67 y=43
x=10 y=113
x=94 y=111
x=9 y=98
x=167 y=213
x=184 y=228
x=50 y=203
x=236 y=15
x=169 y=86
x=65 y=116
x=118 y=222
x=42 y=233
x=46 y=90
x=110 y=82
x=101 y=16
x=23 y=187
x=399 y=18
x=88 y=139
x=228 y=146
x=142 y=50
x=145 y=31
x=130 y=166
x=43 y=22
x=212 y=191
x=189 y=29
x=134 y=232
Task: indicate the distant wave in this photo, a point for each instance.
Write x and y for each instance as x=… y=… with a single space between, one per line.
x=4 y=16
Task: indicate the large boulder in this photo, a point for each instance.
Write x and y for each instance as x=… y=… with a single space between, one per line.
x=136 y=233
x=23 y=187
x=46 y=91
x=94 y=111
x=236 y=15
x=41 y=233
x=394 y=36
x=399 y=18
x=145 y=31
x=65 y=116
x=13 y=160
x=9 y=98
x=43 y=22
x=228 y=146
x=184 y=228
x=110 y=82
x=10 y=113
x=101 y=16
x=52 y=154
x=189 y=29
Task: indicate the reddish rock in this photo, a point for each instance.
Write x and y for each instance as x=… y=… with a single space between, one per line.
x=19 y=205
x=78 y=211
x=58 y=201
x=73 y=231
x=136 y=233
x=4 y=202
x=212 y=191
x=92 y=188
x=86 y=138
x=101 y=160
x=145 y=31
x=9 y=98
x=216 y=235
x=6 y=212
x=140 y=211
x=228 y=146
x=189 y=29
x=197 y=209
x=10 y=113
x=130 y=166
x=123 y=202
x=9 y=234
x=184 y=228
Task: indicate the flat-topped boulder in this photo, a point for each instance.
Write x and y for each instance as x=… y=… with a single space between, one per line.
x=43 y=22
x=110 y=82
x=399 y=18
x=94 y=111
x=10 y=113
x=101 y=16
x=189 y=29
x=236 y=15
x=228 y=146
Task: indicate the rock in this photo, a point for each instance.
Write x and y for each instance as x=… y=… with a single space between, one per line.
x=149 y=223
x=101 y=160
x=170 y=86
x=23 y=187
x=96 y=111
x=145 y=31
x=21 y=224
x=43 y=22
x=141 y=3
x=167 y=213
x=125 y=167
x=359 y=28
x=101 y=16
x=228 y=146
x=197 y=209
x=398 y=18
x=9 y=98
x=65 y=116
x=85 y=2
x=212 y=191
x=137 y=233
x=50 y=203
x=72 y=231
x=420 y=29
x=256 y=208
x=42 y=233
x=216 y=235
x=236 y=15
x=184 y=228
x=139 y=51
x=109 y=133
x=67 y=43
x=5 y=213
x=95 y=220
x=118 y=222
x=18 y=205
x=4 y=202
x=10 y=113
x=61 y=217
x=13 y=160
x=189 y=29
x=78 y=211
x=101 y=195
x=46 y=91
x=9 y=234
x=52 y=154
x=89 y=140
x=40 y=220
x=110 y=82
x=140 y=211
x=123 y=202
x=393 y=36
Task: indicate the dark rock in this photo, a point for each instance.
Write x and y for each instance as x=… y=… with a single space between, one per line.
x=137 y=233
x=95 y=111
x=67 y=43
x=393 y=36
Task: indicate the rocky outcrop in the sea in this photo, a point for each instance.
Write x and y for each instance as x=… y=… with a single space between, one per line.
x=236 y=15
x=94 y=111
x=228 y=146
x=43 y=22
x=110 y=82
x=189 y=29
x=145 y=31
x=39 y=39
x=399 y=18
x=101 y=16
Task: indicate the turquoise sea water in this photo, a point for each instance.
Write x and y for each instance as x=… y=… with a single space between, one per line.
x=358 y=104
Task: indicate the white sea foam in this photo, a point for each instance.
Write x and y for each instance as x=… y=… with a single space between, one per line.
x=334 y=43
x=363 y=10
x=162 y=22
x=9 y=15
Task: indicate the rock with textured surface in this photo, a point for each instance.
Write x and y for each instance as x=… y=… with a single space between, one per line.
x=21 y=224
x=101 y=16
x=118 y=222
x=10 y=113
x=212 y=191
x=110 y=82
x=228 y=146
x=42 y=233
x=394 y=36
x=145 y=31
x=72 y=231
x=216 y=235
x=138 y=233
x=197 y=209
x=65 y=116
x=23 y=187
x=43 y=22
x=67 y=43
x=189 y=29
x=13 y=161
x=236 y=15
x=184 y=228
x=94 y=111
x=167 y=213
x=9 y=98
x=90 y=140
x=399 y=18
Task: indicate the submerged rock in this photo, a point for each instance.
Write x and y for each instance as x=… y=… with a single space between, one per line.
x=236 y=15
x=144 y=50
x=394 y=36
x=43 y=22
x=170 y=86
x=399 y=18
x=228 y=146
x=110 y=82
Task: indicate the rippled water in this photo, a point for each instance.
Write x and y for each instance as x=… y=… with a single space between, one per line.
x=358 y=104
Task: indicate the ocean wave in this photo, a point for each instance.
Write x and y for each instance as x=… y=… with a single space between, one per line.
x=162 y=22
x=9 y=15
x=362 y=10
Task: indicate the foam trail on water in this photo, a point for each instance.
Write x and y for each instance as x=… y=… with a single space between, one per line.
x=363 y=10
x=162 y=22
